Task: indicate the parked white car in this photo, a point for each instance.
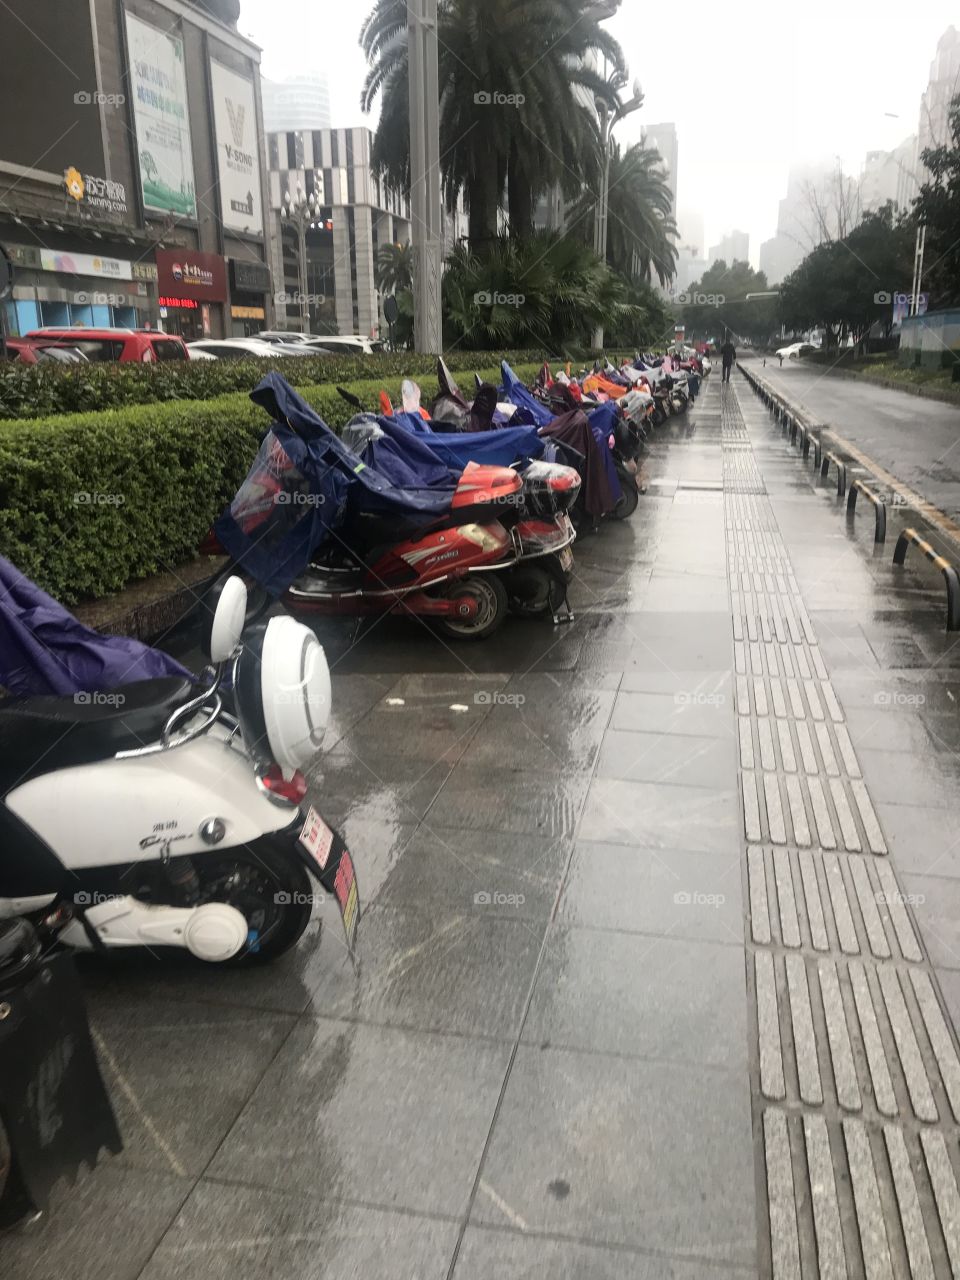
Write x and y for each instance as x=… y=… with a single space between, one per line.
x=243 y=349
x=795 y=350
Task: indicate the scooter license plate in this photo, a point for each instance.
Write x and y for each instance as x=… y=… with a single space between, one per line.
x=566 y=559
x=317 y=838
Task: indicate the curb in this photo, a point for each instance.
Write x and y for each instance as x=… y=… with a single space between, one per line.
x=154 y=606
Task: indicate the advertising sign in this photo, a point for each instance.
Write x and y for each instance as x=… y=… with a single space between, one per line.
x=85 y=264
x=158 y=87
x=95 y=193
x=238 y=160
x=186 y=273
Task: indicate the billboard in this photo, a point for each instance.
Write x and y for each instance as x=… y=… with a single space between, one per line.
x=188 y=273
x=238 y=160
x=85 y=264
x=158 y=87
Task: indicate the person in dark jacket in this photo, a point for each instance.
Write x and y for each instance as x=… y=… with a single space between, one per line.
x=728 y=353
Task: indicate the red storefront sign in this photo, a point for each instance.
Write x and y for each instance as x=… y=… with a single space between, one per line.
x=187 y=273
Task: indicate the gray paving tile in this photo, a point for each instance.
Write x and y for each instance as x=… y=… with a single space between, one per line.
x=179 y=1073
x=928 y=779
x=683 y=895
x=653 y=997
x=103 y=1228
x=480 y=798
x=442 y=866
x=225 y=1231
x=708 y=715
x=680 y=758
x=486 y=1253
x=392 y=1117
x=922 y=841
x=464 y=969
x=659 y=816
x=546 y=732
x=936 y=907
x=360 y=779
x=660 y=1156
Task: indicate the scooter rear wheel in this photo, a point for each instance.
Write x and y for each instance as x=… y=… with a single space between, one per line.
x=490 y=596
x=629 y=498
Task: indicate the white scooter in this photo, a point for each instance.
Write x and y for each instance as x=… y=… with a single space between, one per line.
x=151 y=816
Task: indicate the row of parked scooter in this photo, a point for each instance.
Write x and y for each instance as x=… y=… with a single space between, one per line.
x=460 y=513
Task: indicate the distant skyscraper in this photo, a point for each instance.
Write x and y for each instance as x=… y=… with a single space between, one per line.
x=663 y=138
x=690 y=224
x=944 y=84
x=298 y=102
x=890 y=176
x=734 y=247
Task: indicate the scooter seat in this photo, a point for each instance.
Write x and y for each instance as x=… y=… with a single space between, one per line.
x=40 y=735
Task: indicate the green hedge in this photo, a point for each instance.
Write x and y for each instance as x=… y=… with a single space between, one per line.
x=90 y=502
x=42 y=389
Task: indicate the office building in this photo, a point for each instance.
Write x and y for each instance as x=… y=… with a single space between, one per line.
x=296 y=102
x=146 y=208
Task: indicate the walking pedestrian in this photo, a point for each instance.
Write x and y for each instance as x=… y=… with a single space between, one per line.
x=728 y=353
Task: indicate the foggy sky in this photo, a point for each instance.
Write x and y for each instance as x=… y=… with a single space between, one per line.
x=752 y=87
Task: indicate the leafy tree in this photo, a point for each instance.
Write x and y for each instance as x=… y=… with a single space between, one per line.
x=719 y=301
x=512 y=108
x=394 y=268
x=938 y=205
x=843 y=285
x=549 y=291
x=641 y=232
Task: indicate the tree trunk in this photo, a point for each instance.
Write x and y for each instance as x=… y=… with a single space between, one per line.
x=519 y=198
x=483 y=202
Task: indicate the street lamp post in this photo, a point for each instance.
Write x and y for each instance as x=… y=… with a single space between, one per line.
x=301 y=212
x=425 y=205
x=608 y=119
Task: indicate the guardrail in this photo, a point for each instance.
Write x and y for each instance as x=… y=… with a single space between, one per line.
x=826 y=458
x=950 y=575
x=879 y=507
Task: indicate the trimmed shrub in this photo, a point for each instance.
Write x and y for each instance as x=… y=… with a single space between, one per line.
x=90 y=502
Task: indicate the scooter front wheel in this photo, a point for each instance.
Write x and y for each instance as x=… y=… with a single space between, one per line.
x=629 y=498
x=534 y=592
x=485 y=598
x=271 y=888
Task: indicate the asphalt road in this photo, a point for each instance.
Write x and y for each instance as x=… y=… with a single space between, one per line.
x=917 y=440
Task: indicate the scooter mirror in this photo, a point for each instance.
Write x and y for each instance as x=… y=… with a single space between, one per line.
x=350 y=398
x=226 y=612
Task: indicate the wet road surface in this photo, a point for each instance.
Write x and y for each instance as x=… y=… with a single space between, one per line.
x=917 y=440
x=660 y=954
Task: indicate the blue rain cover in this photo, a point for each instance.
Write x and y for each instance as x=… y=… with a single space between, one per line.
x=602 y=422
x=45 y=650
x=305 y=486
x=499 y=447
x=514 y=391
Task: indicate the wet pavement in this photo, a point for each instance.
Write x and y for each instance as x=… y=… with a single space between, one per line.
x=660 y=958
x=915 y=439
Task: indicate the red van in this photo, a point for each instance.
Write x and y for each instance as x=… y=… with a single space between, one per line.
x=102 y=345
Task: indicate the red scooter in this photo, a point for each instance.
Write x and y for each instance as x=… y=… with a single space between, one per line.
x=451 y=572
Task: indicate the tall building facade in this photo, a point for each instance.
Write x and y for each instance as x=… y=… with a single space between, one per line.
x=943 y=86
x=734 y=247
x=356 y=216
x=890 y=177
x=663 y=138
x=133 y=191
x=296 y=102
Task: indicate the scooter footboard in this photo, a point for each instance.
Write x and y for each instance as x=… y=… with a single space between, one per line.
x=325 y=853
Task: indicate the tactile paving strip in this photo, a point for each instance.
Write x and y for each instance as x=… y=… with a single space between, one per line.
x=856 y=1072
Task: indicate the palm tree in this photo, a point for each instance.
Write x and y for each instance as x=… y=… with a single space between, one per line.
x=641 y=232
x=516 y=88
x=394 y=268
